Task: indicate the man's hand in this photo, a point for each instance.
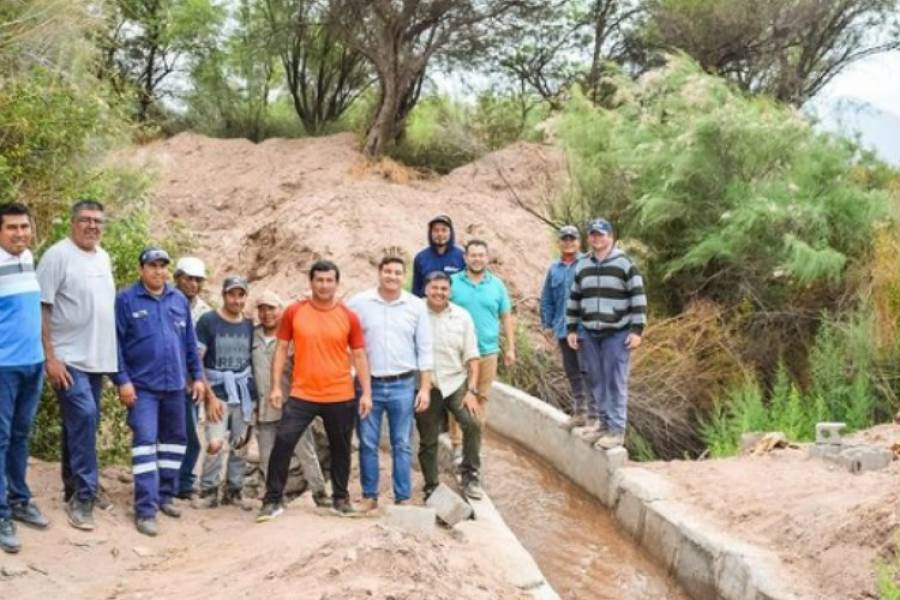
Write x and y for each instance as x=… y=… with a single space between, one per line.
x=572 y=340
x=423 y=399
x=215 y=408
x=57 y=373
x=632 y=341
x=276 y=398
x=198 y=391
x=509 y=357
x=365 y=405
x=127 y=395
x=470 y=402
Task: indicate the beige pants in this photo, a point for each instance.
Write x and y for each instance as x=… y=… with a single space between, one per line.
x=487 y=373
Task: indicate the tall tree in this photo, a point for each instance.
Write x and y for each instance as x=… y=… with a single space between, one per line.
x=148 y=40
x=790 y=50
x=401 y=37
x=323 y=75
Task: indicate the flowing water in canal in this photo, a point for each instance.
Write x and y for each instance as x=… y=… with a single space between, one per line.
x=570 y=534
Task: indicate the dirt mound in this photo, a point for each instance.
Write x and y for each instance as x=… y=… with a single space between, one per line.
x=269 y=210
x=829 y=527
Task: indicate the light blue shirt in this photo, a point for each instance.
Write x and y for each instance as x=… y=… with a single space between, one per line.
x=555 y=294
x=398 y=333
x=20 y=311
x=486 y=301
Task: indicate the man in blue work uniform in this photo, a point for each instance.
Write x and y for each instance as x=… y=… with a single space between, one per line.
x=441 y=254
x=554 y=296
x=157 y=354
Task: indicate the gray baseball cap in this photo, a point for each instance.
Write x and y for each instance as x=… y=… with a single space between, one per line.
x=235 y=282
x=568 y=231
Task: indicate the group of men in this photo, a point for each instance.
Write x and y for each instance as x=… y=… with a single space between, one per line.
x=429 y=356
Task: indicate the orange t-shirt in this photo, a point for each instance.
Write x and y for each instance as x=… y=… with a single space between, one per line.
x=321 y=340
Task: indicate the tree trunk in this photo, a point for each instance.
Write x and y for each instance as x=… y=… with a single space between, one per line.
x=384 y=126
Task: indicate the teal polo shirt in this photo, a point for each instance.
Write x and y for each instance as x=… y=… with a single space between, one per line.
x=485 y=301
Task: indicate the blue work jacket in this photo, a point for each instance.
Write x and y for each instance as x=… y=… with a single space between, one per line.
x=555 y=294
x=157 y=343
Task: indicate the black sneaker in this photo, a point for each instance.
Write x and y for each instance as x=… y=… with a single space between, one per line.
x=80 y=514
x=9 y=542
x=30 y=515
x=269 y=511
x=146 y=526
x=342 y=507
x=321 y=498
x=170 y=510
x=232 y=496
x=208 y=498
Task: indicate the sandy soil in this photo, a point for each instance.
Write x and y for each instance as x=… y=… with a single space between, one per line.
x=829 y=527
x=223 y=553
x=269 y=210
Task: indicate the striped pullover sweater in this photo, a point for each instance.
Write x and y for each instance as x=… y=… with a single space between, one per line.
x=607 y=296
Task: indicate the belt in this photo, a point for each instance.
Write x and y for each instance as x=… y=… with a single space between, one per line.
x=397 y=377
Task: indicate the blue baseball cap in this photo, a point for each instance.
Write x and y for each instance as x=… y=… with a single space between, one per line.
x=600 y=226
x=154 y=254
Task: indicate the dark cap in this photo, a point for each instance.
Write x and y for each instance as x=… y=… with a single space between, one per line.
x=445 y=219
x=568 y=231
x=600 y=226
x=154 y=254
x=234 y=282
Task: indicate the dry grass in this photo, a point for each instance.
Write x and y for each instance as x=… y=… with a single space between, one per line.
x=391 y=170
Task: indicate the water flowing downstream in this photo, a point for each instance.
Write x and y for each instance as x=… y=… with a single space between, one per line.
x=571 y=535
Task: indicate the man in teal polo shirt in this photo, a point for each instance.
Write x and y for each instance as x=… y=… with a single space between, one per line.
x=485 y=297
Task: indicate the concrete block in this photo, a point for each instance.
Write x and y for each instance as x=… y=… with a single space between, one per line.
x=859 y=459
x=823 y=450
x=414 y=519
x=829 y=433
x=695 y=569
x=661 y=535
x=448 y=505
x=616 y=458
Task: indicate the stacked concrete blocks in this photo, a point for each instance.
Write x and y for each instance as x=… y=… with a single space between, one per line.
x=855 y=458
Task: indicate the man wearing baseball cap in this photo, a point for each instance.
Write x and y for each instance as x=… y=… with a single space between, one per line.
x=190 y=275
x=225 y=338
x=607 y=300
x=554 y=296
x=441 y=254
x=269 y=308
x=157 y=357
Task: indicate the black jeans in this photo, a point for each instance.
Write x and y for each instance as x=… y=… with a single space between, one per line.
x=429 y=425
x=339 y=419
x=577 y=376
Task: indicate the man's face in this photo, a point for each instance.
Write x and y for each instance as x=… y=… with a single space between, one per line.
x=324 y=285
x=568 y=245
x=437 y=293
x=87 y=228
x=268 y=316
x=189 y=285
x=440 y=234
x=600 y=242
x=476 y=258
x=390 y=277
x=154 y=275
x=234 y=301
x=15 y=233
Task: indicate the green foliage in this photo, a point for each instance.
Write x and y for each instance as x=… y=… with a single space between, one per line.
x=443 y=134
x=888 y=579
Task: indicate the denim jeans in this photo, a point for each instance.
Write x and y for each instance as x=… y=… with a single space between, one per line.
x=396 y=398
x=186 y=477
x=229 y=430
x=80 y=407
x=20 y=391
x=606 y=360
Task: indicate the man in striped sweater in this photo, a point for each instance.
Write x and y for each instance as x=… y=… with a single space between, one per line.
x=607 y=299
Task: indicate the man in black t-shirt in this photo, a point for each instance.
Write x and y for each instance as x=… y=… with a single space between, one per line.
x=225 y=339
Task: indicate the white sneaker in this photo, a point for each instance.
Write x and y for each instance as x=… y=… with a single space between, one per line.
x=573 y=422
x=610 y=440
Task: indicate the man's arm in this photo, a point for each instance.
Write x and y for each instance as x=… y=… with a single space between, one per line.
x=509 y=332
x=547 y=306
x=194 y=364
x=121 y=379
x=361 y=364
x=276 y=395
x=56 y=371
x=470 y=398
x=573 y=311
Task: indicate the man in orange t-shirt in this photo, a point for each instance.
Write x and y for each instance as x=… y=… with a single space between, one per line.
x=327 y=338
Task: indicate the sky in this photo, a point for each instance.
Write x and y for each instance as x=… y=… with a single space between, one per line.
x=875 y=80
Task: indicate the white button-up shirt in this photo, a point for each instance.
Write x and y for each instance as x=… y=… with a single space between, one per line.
x=398 y=333
x=455 y=344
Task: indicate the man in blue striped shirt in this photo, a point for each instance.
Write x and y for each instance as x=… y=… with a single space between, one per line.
x=607 y=299
x=21 y=370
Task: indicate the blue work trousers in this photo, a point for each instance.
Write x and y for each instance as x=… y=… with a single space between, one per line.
x=186 y=477
x=396 y=398
x=157 y=448
x=606 y=360
x=80 y=408
x=20 y=391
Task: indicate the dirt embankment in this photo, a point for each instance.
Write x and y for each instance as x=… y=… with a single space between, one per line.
x=269 y=210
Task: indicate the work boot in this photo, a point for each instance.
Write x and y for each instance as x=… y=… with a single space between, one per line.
x=343 y=508
x=321 y=498
x=9 y=542
x=574 y=421
x=236 y=498
x=367 y=505
x=208 y=499
x=80 y=514
x=102 y=501
x=30 y=515
x=610 y=440
x=147 y=526
x=472 y=489
x=170 y=510
x=186 y=494
x=269 y=511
